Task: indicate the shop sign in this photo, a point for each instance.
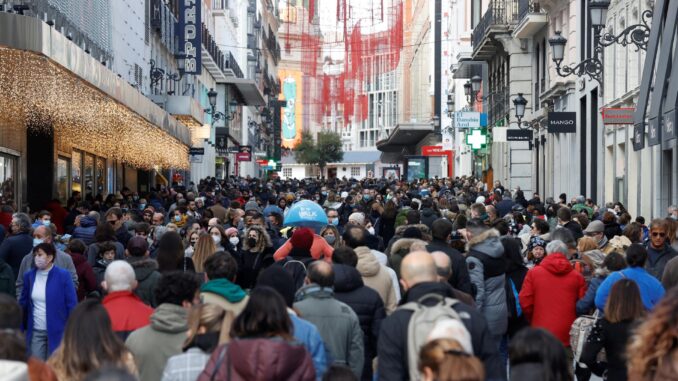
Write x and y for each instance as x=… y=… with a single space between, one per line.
x=221 y=139
x=434 y=151
x=562 y=122
x=654 y=137
x=244 y=153
x=190 y=35
x=518 y=135
x=195 y=151
x=233 y=149
x=618 y=115
x=638 y=137
x=669 y=125
x=469 y=119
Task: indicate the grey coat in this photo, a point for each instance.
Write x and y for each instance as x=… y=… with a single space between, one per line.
x=487 y=269
x=337 y=323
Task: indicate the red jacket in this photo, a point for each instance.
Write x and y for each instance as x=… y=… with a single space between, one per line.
x=549 y=296
x=127 y=312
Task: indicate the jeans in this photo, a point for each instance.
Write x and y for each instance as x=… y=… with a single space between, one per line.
x=39 y=346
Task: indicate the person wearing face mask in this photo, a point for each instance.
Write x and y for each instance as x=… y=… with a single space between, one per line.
x=233 y=239
x=331 y=234
x=219 y=236
x=43 y=218
x=46 y=282
x=256 y=255
x=43 y=234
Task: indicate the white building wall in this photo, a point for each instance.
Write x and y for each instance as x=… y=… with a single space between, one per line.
x=127 y=45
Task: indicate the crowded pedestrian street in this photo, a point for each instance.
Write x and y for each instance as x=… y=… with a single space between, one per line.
x=338 y=190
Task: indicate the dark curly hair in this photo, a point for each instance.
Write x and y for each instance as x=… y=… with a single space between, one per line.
x=176 y=287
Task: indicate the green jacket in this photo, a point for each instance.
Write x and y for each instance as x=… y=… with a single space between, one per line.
x=163 y=338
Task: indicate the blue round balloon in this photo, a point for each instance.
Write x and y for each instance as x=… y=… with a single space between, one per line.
x=307 y=214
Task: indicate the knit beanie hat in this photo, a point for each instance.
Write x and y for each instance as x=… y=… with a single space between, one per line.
x=280 y=280
x=302 y=238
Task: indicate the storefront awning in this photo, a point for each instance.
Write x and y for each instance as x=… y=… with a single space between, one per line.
x=405 y=136
x=48 y=81
x=247 y=90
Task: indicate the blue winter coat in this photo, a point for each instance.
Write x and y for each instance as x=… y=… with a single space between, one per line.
x=651 y=290
x=588 y=302
x=85 y=232
x=61 y=299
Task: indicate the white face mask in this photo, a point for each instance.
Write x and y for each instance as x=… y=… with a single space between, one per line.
x=371 y=230
x=217 y=239
x=234 y=241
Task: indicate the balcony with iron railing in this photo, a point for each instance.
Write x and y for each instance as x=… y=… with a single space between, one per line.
x=498 y=107
x=532 y=17
x=501 y=17
x=214 y=59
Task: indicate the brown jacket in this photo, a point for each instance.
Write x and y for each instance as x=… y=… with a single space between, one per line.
x=269 y=359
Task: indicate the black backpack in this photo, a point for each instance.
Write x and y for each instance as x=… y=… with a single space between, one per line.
x=297 y=268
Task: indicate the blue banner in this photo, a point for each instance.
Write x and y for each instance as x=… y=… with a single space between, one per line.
x=190 y=35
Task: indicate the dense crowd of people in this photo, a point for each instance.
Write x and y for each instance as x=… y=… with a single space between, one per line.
x=440 y=279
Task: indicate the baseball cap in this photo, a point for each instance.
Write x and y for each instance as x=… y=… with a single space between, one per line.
x=137 y=246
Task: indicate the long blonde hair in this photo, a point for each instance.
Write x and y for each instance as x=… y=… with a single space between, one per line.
x=204 y=249
x=210 y=317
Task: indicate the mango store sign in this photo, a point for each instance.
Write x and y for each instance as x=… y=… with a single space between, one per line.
x=469 y=119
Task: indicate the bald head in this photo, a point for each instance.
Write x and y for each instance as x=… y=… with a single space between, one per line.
x=443 y=265
x=320 y=273
x=417 y=267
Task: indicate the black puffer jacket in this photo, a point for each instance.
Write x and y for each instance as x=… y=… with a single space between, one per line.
x=366 y=303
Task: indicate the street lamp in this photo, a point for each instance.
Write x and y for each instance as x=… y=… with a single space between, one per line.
x=217 y=115
x=592 y=67
x=475 y=84
x=598 y=11
x=450 y=105
x=467 y=90
x=520 y=102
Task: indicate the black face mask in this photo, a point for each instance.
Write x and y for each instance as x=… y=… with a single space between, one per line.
x=251 y=242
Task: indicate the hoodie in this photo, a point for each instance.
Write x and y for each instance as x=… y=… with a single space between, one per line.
x=549 y=296
x=225 y=294
x=487 y=270
x=376 y=277
x=154 y=344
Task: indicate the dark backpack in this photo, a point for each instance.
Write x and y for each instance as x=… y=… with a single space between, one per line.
x=7 y=279
x=297 y=269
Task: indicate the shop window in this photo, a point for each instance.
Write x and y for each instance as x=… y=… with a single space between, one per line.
x=8 y=173
x=287 y=172
x=355 y=171
x=100 y=175
x=89 y=176
x=76 y=172
x=63 y=179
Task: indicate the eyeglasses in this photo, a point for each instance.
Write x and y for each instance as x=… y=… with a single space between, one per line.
x=659 y=234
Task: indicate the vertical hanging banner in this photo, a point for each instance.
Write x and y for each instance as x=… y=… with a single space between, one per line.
x=292 y=113
x=190 y=35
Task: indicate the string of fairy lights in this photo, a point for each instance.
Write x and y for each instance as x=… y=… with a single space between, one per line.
x=37 y=94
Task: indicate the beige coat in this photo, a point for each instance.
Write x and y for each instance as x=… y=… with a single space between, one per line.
x=375 y=276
